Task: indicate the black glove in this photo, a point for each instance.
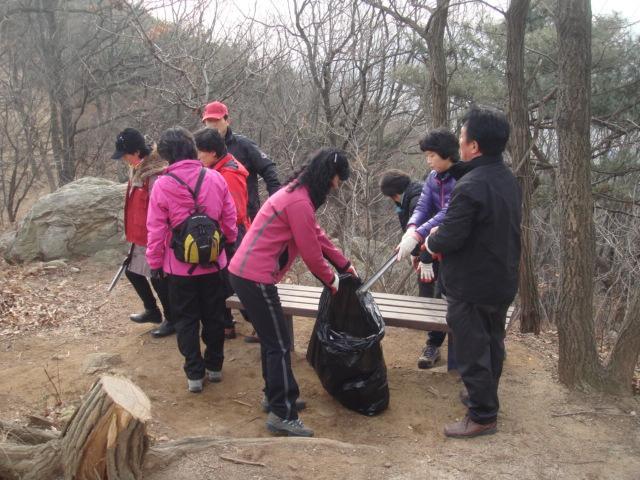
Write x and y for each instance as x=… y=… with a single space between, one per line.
x=157 y=273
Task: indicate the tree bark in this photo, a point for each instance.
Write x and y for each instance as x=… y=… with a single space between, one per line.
x=624 y=357
x=578 y=364
x=105 y=439
x=438 y=65
x=530 y=313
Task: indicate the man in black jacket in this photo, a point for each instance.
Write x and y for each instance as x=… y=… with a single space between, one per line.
x=216 y=116
x=479 y=241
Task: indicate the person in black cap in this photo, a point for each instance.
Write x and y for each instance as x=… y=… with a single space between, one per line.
x=145 y=166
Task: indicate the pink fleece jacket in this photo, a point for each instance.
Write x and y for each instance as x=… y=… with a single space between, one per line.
x=171 y=203
x=284 y=227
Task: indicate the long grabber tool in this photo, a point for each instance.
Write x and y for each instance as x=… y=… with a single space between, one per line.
x=123 y=267
x=374 y=278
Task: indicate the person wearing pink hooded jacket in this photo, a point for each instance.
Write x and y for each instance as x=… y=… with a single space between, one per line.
x=196 y=293
x=284 y=228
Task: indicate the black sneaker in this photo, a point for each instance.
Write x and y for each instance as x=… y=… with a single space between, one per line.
x=148 y=316
x=430 y=355
x=290 y=428
x=164 y=330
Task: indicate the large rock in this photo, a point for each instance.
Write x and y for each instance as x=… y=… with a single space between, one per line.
x=79 y=219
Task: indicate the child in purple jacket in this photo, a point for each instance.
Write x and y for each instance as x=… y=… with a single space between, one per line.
x=440 y=147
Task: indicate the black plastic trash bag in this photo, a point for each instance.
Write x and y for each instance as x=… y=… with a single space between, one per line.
x=345 y=349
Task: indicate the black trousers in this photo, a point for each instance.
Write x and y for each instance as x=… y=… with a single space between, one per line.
x=142 y=288
x=262 y=303
x=195 y=300
x=479 y=348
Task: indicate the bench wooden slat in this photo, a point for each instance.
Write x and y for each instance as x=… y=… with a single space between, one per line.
x=380 y=298
x=404 y=311
x=385 y=309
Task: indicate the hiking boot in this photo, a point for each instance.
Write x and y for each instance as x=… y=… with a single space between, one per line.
x=164 y=330
x=214 y=376
x=291 y=428
x=148 y=316
x=300 y=404
x=230 y=333
x=467 y=428
x=430 y=355
x=195 y=386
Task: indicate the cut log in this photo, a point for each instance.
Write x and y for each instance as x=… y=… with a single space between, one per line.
x=105 y=439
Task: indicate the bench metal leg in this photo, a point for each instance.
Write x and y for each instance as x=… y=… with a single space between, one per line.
x=288 y=320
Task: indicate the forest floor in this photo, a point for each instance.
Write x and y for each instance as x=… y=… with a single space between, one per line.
x=53 y=316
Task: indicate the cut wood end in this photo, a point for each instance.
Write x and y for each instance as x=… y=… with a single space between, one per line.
x=127 y=395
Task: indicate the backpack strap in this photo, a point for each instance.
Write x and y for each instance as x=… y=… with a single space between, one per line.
x=194 y=193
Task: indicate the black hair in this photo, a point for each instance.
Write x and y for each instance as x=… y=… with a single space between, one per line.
x=210 y=140
x=394 y=182
x=177 y=144
x=443 y=142
x=489 y=127
x=318 y=171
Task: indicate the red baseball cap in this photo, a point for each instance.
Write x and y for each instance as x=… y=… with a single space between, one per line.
x=215 y=111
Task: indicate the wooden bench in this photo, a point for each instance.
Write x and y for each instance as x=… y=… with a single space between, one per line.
x=418 y=313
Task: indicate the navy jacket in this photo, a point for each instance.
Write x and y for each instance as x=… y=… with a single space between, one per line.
x=479 y=237
x=257 y=163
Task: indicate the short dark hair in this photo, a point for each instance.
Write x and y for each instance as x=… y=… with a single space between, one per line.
x=489 y=127
x=210 y=140
x=443 y=142
x=177 y=144
x=394 y=182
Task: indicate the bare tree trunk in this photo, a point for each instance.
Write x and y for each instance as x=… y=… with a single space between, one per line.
x=578 y=364
x=624 y=357
x=530 y=313
x=438 y=65
x=106 y=439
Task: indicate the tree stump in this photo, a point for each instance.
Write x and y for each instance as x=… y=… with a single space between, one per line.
x=105 y=439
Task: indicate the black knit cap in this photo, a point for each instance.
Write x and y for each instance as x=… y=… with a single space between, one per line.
x=130 y=140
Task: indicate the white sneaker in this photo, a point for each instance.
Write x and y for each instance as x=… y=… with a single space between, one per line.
x=214 y=376
x=195 y=386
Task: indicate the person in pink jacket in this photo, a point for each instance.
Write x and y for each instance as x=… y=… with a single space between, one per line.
x=197 y=293
x=284 y=228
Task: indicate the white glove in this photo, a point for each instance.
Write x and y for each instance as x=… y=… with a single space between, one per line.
x=336 y=284
x=426 y=272
x=407 y=244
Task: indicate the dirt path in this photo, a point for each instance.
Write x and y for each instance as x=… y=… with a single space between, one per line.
x=405 y=442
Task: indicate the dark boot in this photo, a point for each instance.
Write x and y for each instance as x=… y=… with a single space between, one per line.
x=148 y=316
x=467 y=428
x=230 y=332
x=430 y=356
x=165 y=329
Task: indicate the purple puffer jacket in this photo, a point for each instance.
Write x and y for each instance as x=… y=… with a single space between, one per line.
x=433 y=202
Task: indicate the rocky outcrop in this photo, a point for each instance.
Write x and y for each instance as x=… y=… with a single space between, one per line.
x=79 y=219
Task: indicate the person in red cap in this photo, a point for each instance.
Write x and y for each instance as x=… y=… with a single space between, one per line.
x=216 y=116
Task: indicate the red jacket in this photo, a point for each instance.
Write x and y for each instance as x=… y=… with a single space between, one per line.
x=135 y=214
x=236 y=177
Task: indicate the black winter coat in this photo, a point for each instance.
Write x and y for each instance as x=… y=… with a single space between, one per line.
x=480 y=235
x=257 y=163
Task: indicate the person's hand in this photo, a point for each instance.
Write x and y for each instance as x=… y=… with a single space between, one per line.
x=409 y=241
x=434 y=230
x=352 y=271
x=157 y=273
x=426 y=272
x=415 y=261
x=335 y=285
